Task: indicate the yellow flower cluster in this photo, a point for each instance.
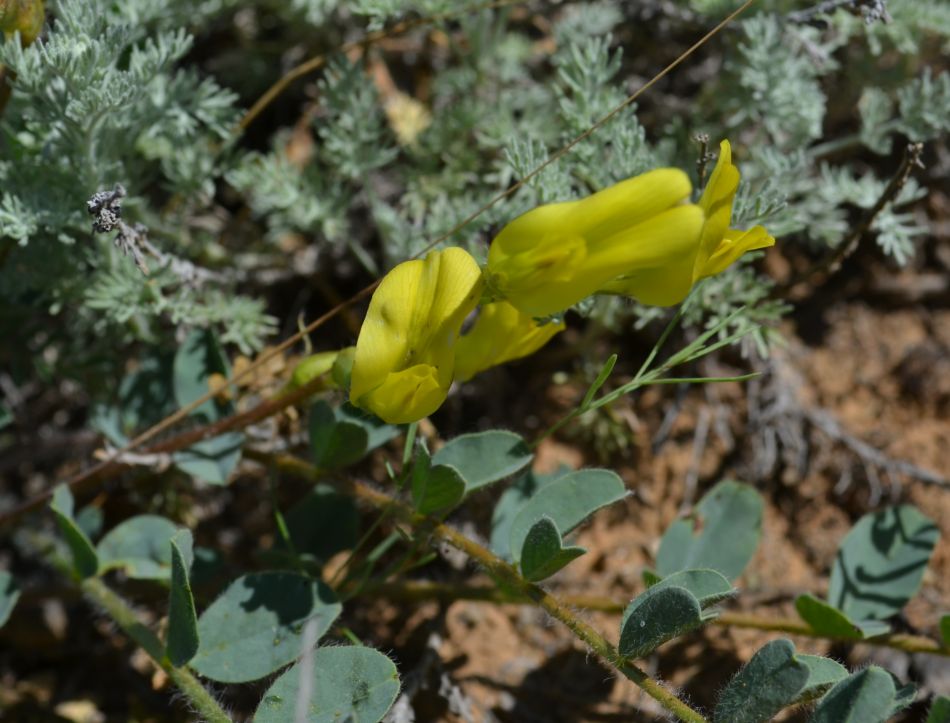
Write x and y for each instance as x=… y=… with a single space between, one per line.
x=641 y=238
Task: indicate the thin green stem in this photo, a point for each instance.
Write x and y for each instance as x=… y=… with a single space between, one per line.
x=124 y=616
x=410 y=443
x=418 y=591
x=509 y=578
x=282 y=528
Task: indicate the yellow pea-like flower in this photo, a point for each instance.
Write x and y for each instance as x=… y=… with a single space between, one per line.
x=555 y=255
x=405 y=356
x=718 y=247
x=500 y=334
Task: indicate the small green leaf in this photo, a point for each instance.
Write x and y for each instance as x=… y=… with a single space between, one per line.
x=543 y=554
x=945 y=630
x=182 y=620
x=89 y=519
x=771 y=680
x=212 y=460
x=655 y=616
x=139 y=547
x=903 y=698
x=707 y=586
x=85 y=560
x=335 y=443
x=145 y=396
x=939 y=710
x=435 y=488
x=377 y=431
x=484 y=457
x=568 y=501
x=509 y=505
x=198 y=358
x=824 y=619
x=722 y=533
x=347 y=684
x=9 y=594
x=822 y=674
x=649 y=577
x=6 y=416
x=863 y=697
x=257 y=625
x=602 y=377
x=881 y=563
x=323 y=523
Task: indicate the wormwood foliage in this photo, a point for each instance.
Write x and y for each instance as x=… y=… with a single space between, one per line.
x=202 y=228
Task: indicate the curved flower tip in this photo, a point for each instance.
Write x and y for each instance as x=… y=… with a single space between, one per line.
x=555 y=255
x=721 y=245
x=717 y=245
x=500 y=334
x=404 y=360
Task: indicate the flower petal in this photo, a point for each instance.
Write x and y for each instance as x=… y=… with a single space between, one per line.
x=413 y=319
x=500 y=334
x=664 y=274
x=407 y=395
x=734 y=244
x=553 y=256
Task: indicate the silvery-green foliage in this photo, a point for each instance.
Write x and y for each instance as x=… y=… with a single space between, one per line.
x=772 y=81
x=99 y=100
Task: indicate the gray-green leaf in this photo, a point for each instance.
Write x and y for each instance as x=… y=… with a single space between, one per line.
x=567 y=501
x=863 y=697
x=484 y=457
x=139 y=547
x=771 y=680
x=881 y=563
x=182 y=621
x=543 y=553
x=257 y=625
x=722 y=533
x=9 y=594
x=346 y=684
x=85 y=560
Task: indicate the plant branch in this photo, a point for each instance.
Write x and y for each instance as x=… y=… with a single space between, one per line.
x=124 y=616
x=820 y=272
x=117 y=461
x=508 y=578
x=416 y=591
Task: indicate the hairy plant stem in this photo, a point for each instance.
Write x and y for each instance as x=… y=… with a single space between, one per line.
x=121 y=612
x=506 y=576
x=416 y=591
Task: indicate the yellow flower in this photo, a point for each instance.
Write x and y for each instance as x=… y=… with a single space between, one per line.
x=718 y=244
x=405 y=354
x=500 y=334
x=555 y=255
